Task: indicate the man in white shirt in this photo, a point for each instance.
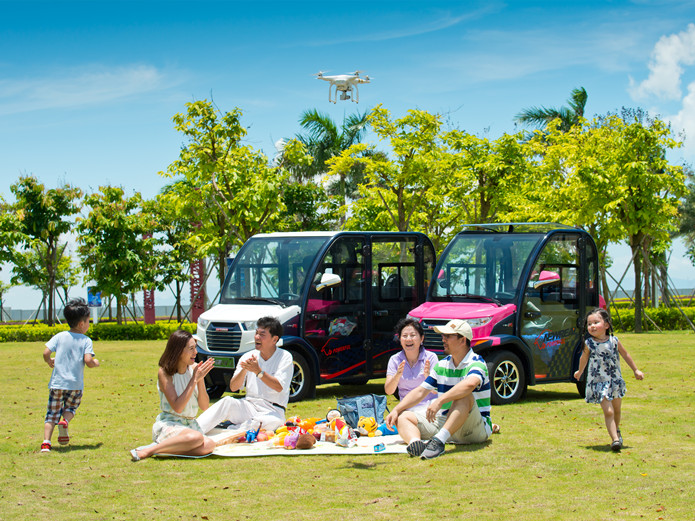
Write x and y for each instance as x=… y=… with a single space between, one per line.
x=266 y=372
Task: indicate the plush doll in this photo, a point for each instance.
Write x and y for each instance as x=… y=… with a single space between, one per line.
x=344 y=435
x=293 y=421
x=366 y=426
x=291 y=440
x=308 y=424
x=305 y=441
x=332 y=414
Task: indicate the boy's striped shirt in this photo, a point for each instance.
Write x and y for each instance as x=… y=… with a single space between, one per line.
x=445 y=375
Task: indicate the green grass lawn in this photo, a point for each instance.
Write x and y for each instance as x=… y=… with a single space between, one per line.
x=551 y=460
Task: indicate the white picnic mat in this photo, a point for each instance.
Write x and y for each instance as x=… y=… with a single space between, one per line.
x=392 y=445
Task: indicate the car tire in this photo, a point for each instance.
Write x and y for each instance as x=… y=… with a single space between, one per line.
x=215 y=391
x=302 y=384
x=507 y=378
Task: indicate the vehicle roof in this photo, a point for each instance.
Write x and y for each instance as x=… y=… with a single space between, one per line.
x=540 y=227
x=331 y=233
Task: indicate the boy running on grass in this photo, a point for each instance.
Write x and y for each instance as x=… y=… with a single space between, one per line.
x=73 y=350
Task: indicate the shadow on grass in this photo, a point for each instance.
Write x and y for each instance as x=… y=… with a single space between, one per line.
x=544 y=396
x=366 y=465
x=71 y=448
x=451 y=448
x=604 y=447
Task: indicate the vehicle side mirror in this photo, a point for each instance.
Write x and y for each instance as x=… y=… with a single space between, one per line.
x=328 y=280
x=546 y=278
x=442 y=280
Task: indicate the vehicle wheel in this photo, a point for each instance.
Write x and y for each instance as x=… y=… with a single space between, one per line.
x=302 y=384
x=507 y=378
x=215 y=391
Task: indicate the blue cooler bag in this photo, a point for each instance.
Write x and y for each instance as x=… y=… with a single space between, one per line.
x=353 y=407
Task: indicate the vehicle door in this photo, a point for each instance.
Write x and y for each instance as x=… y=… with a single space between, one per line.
x=335 y=317
x=550 y=309
x=400 y=268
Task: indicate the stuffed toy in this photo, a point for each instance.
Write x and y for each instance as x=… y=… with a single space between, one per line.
x=344 y=435
x=332 y=414
x=293 y=421
x=305 y=441
x=366 y=426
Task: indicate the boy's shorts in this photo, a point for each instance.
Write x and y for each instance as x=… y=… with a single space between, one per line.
x=472 y=431
x=61 y=401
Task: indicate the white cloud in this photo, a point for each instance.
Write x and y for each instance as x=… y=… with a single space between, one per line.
x=685 y=119
x=422 y=26
x=666 y=66
x=82 y=87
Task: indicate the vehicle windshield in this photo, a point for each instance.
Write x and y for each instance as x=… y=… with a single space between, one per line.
x=485 y=266
x=271 y=270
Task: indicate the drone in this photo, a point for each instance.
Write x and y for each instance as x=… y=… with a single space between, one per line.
x=345 y=83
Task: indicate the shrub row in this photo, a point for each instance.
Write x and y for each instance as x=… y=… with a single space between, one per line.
x=623 y=320
x=665 y=318
x=102 y=331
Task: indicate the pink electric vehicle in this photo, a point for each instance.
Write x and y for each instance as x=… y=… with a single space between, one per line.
x=524 y=288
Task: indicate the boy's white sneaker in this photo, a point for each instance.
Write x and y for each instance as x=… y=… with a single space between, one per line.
x=63 y=436
x=46 y=446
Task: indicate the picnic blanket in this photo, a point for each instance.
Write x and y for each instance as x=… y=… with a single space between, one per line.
x=364 y=445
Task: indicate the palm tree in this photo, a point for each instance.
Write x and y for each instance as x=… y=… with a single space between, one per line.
x=569 y=116
x=323 y=140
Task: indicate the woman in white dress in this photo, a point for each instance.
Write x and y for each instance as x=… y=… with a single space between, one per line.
x=181 y=386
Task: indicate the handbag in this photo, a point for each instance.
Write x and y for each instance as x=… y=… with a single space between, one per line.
x=368 y=405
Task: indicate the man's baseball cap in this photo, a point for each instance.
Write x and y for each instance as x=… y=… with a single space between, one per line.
x=456 y=327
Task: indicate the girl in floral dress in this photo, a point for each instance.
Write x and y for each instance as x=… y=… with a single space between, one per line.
x=604 y=381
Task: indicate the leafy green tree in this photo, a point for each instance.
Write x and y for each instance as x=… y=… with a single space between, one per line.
x=437 y=180
x=10 y=236
x=308 y=207
x=43 y=218
x=228 y=189
x=611 y=176
x=67 y=276
x=114 y=249
x=568 y=116
x=399 y=186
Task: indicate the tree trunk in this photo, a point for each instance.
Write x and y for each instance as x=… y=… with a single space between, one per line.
x=635 y=243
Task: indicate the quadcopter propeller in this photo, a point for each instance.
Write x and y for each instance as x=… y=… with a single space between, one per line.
x=356 y=73
x=320 y=73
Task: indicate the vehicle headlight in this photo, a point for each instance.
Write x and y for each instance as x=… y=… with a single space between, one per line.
x=250 y=325
x=203 y=324
x=478 y=322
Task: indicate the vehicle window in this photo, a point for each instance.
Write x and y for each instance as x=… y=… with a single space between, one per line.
x=489 y=265
x=345 y=259
x=272 y=268
x=393 y=268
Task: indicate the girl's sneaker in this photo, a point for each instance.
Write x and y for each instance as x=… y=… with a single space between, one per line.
x=45 y=447
x=63 y=437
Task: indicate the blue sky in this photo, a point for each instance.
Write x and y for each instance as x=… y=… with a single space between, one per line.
x=88 y=89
